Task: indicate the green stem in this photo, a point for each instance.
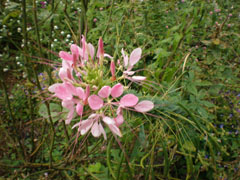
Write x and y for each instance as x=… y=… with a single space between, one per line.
x=31 y=117
x=84 y=4
x=109 y=18
x=22 y=151
x=38 y=39
x=39 y=86
x=109 y=158
x=65 y=130
x=120 y=165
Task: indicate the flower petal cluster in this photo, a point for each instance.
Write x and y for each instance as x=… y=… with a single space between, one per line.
x=87 y=91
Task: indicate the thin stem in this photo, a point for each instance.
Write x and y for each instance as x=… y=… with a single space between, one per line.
x=12 y=118
x=38 y=39
x=40 y=88
x=109 y=18
x=65 y=130
x=108 y=158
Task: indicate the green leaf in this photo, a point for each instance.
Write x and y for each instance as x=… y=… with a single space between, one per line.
x=95 y=167
x=207 y=104
x=54 y=108
x=189 y=146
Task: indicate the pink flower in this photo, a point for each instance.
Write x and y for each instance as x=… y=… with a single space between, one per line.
x=70 y=96
x=65 y=72
x=76 y=73
x=130 y=62
x=79 y=55
x=93 y=123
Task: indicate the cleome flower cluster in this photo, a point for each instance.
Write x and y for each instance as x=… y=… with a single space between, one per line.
x=90 y=88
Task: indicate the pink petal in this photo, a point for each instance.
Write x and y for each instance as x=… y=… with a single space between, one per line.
x=77 y=124
x=80 y=93
x=63 y=93
x=68 y=104
x=117 y=90
x=115 y=129
x=70 y=88
x=125 y=58
x=66 y=64
x=104 y=92
x=108 y=56
x=63 y=74
x=119 y=109
x=129 y=100
x=108 y=120
x=79 y=109
x=138 y=78
x=66 y=56
x=75 y=49
x=144 y=106
x=84 y=44
x=93 y=116
x=102 y=131
x=100 y=52
x=119 y=120
x=87 y=91
x=53 y=87
x=96 y=130
x=129 y=72
x=80 y=50
x=95 y=102
x=91 y=50
x=85 y=126
x=70 y=116
x=135 y=56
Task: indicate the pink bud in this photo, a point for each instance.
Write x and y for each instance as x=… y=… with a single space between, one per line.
x=112 y=68
x=100 y=52
x=87 y=94
x=95 y=20
x=84 y=48
x=210 y=12
x=167 y=27
x=230 y=15
x=74 y=59
x=101 y=9
x=229 y=25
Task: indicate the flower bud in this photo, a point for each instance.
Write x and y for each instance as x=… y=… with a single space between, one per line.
x=112 y=68
x=100 y=52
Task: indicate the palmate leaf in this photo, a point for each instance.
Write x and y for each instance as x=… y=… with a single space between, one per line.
x=54 y=108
